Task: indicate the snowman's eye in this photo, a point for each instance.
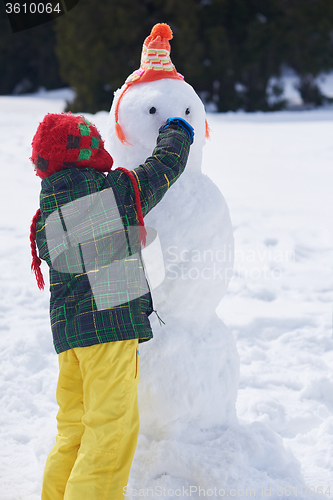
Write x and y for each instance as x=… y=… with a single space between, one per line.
x=187 y=112
x=152 y=110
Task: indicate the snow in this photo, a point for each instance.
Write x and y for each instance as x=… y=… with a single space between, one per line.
x=282 y=214
x=275 y=173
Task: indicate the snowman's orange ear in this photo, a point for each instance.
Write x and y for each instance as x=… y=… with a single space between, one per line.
x=120 y=134
x=207 y=132
x=119 y=131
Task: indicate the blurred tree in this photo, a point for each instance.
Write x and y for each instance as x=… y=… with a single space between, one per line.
x=27 y=58
x=229 y=50
x=240 y=55
x=99 y=45
x=308 y=43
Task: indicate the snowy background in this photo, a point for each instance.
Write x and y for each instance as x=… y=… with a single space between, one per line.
x=275 y=172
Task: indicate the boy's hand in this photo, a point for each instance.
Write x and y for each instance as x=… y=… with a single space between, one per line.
x=182 y=123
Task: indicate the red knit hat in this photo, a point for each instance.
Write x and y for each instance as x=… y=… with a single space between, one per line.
x=63 y=140
x=155 y=65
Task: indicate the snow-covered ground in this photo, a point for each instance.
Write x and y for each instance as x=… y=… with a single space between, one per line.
x=275 y=171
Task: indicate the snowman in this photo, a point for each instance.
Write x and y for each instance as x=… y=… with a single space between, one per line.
x=193 y=353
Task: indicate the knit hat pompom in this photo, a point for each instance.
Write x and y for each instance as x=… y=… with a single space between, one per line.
x=63 y=141
x=163 y=30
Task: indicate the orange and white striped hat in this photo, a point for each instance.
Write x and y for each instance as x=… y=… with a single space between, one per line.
x=155 y=65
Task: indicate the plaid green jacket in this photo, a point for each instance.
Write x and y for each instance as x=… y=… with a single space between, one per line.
x=76 y=320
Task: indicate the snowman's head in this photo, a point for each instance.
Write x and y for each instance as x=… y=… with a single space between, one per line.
x=151 y=95
x=143 y=109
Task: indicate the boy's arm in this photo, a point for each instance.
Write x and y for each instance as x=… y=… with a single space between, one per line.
x=166 y=164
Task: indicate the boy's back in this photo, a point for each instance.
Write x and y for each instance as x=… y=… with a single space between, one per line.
x=76 y=319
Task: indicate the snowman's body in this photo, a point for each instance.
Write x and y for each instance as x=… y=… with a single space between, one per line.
x=180 y=366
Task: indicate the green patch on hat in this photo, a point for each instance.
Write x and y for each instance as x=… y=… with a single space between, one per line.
x=94 y=142
x=84 y=154
x=84 y=129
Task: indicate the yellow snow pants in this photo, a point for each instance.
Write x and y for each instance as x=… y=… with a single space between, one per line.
x=98 y=423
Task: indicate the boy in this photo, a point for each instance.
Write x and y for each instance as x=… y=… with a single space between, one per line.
x=95 y=330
